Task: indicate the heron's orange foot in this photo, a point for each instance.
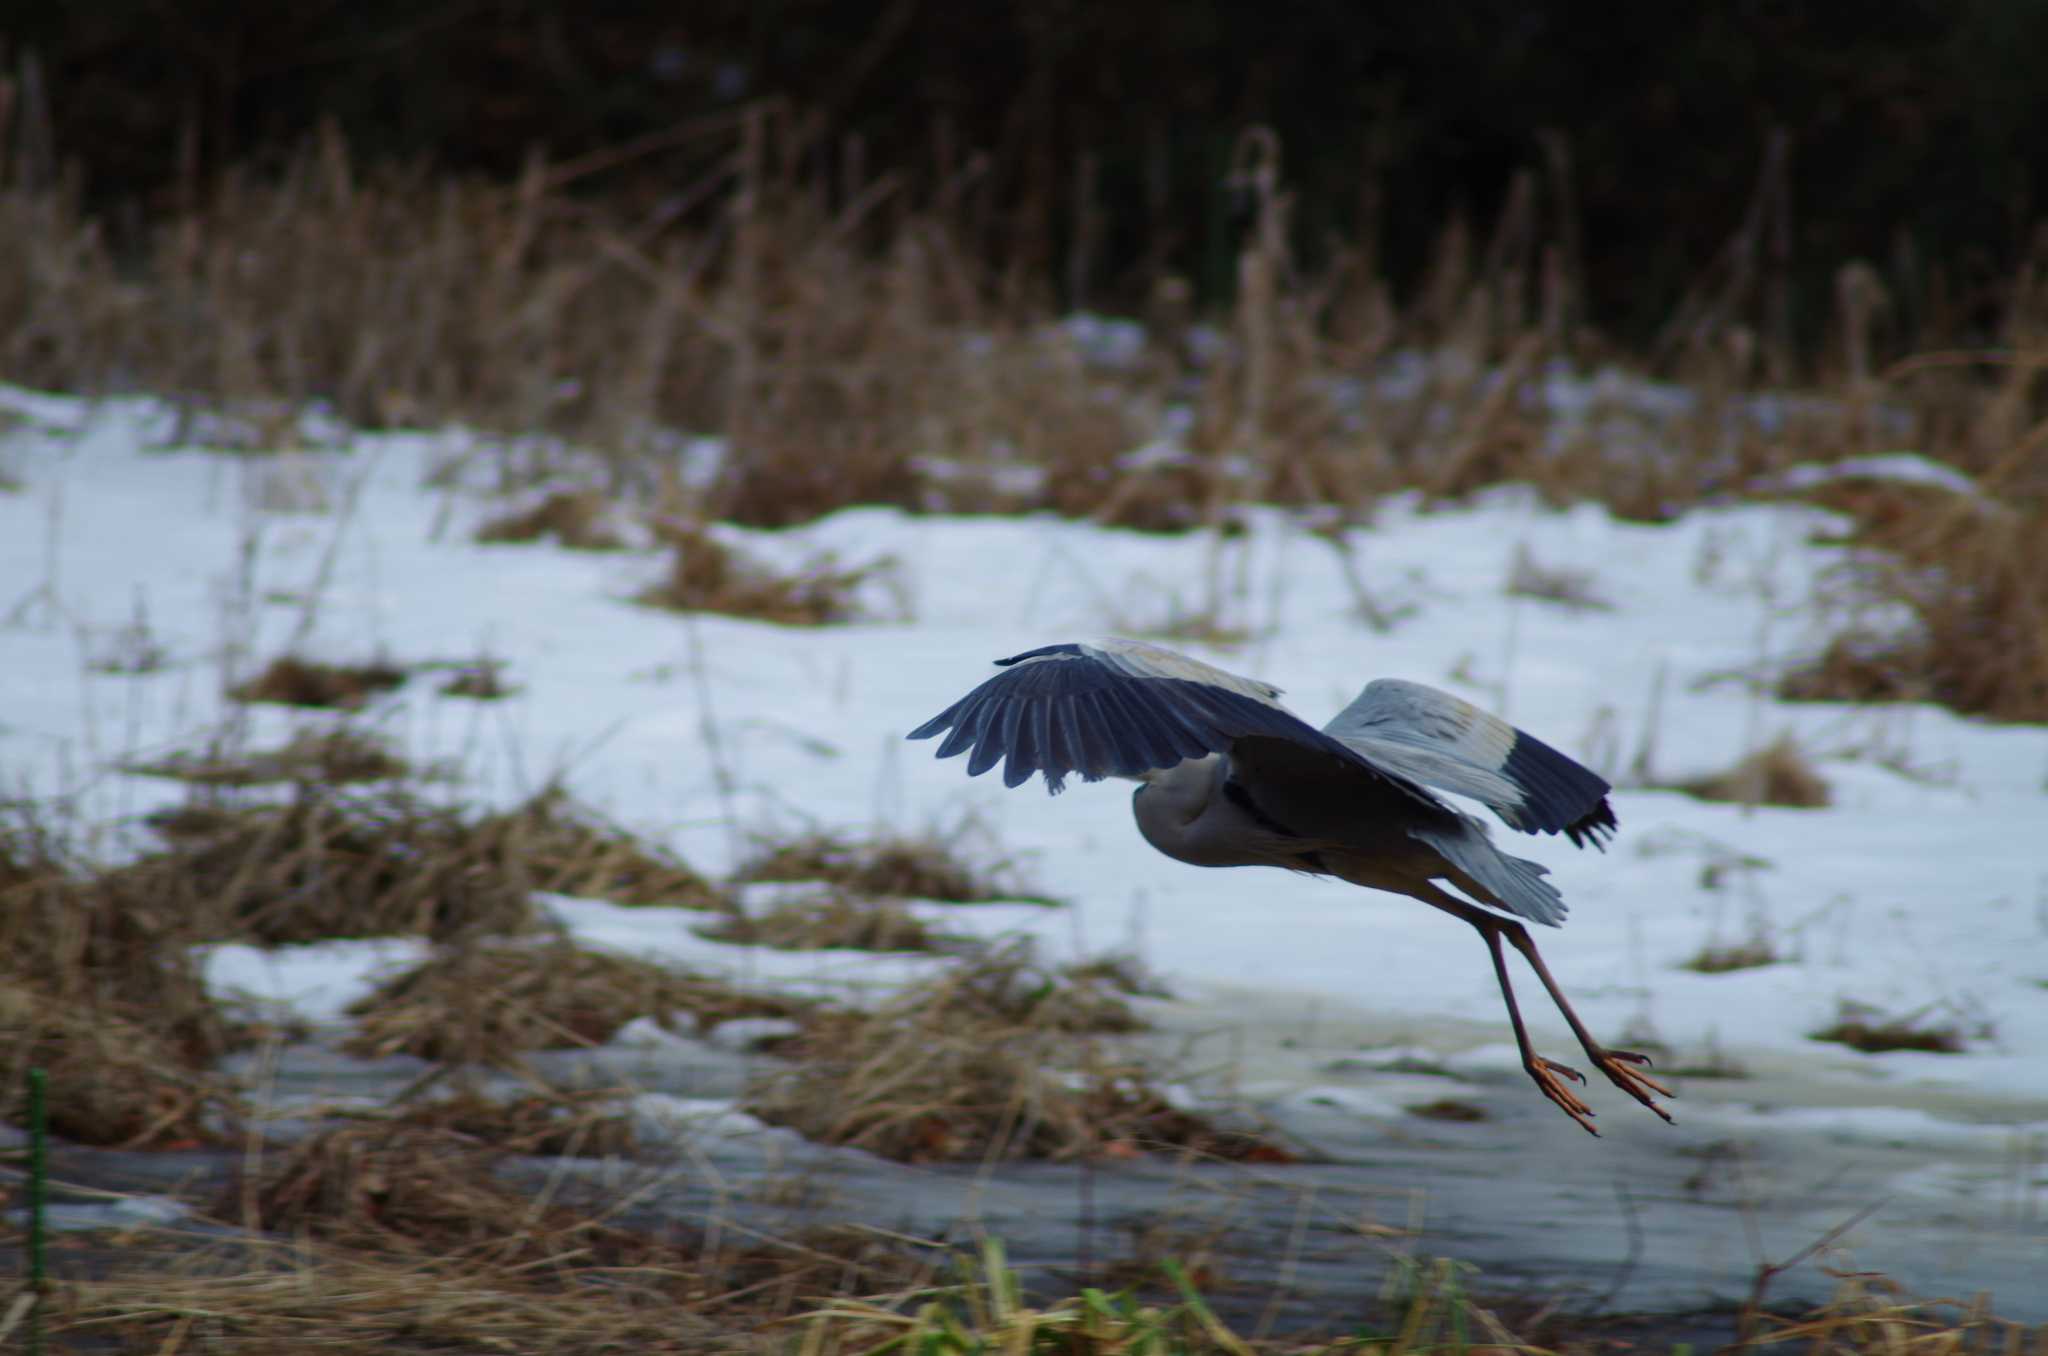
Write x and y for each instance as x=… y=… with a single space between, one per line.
x=1546 y=1073
x=1624 y=1069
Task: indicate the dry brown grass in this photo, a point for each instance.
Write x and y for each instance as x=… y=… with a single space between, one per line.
x=332 y=757
x=1871 y=1315
x=1872 y=1031
x=391 y=1187
x=1570 y=588
x=579 y=520
x=326 y=864
x=984 y=1063
x=98 y=987
x=488 y=1004
x=828 y=921
x=933 y=865
x=349 y=1283
x=557 y=1123
x=482 y=681
x=706 y=575
x=338 y=1302
x=92 y=946
x=1972 y=577
x=1777 y=774
x=570 y=849
x=850 y=341
x=304 y=682
x=1748 y=954
x=114 y=1078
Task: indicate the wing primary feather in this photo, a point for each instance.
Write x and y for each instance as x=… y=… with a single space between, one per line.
x=1095 y=738
x=1020 y=738
x=962 y=721
x=1038 y=736
x=1142 y=731
x=989 y=745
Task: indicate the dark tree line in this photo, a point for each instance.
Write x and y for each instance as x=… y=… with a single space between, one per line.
x=1918 y=129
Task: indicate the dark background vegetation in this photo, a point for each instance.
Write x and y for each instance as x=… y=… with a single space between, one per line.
x=1917 y=129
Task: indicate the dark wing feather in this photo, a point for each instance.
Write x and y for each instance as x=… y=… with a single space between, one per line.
x=1446 y=742
x=1065 y=709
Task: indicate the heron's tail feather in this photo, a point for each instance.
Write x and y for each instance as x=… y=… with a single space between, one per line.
x=1512 y=883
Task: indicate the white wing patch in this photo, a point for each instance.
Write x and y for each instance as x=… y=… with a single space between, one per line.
x=1397 y=709
x=1141 y=659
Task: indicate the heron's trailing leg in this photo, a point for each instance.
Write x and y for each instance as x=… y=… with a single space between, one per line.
x=1622 y=1067
x=1544 y=1071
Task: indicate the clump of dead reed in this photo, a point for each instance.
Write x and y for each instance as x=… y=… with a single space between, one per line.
x=555 y=1123
x=571 y=849
x=981 y=1063
x=579 y=520
x=1872 y=1031
x=405 y=1189
x=98 y=987
x=1779 y=773
x=706 y=575
x=932 y=865
x=89 y=945
x=490 y=1003
x=327 y=863
x=1750 y=953
x=1573 y=589
x=482 y=681
x=114 y=1077
x=326 y=1299
x=330 y=757
x=827 y=921
x=294 y=681
x=1969 y=578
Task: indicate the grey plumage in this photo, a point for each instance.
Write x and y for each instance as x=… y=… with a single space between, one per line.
x=1230 y=777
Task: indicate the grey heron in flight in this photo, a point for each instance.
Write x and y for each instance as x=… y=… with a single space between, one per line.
x=1229 y=777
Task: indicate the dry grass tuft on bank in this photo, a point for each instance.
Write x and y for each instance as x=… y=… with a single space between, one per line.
x=1777 y=774
x=989 y=1061
x=389 y=1187
x=571 y=849
x=293 y=681
x=98 y=985
x=326 y=864
x=482 y=681
x=330 y=757
x=1751 y=953
x=114 y=1077
x=489 y=1003
x=829 y=921
x=1872 y=1031
x=1969 y=575
x=578 y=520
x=557 y=1123
x=935 y=865
x=706 y=575
x=324 y=1300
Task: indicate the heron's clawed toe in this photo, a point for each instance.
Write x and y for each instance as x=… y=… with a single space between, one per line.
x=1624 y=1069
x=1545 y=1072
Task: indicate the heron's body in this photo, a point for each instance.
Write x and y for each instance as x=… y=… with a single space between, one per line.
x=1229 y=777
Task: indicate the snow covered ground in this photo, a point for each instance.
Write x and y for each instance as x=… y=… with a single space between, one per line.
x=1922 y=889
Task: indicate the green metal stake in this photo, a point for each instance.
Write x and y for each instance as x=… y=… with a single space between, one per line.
x=38 y=1180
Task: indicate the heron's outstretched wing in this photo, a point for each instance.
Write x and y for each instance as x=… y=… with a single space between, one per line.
x=1443 y=741
x=1121 y=708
